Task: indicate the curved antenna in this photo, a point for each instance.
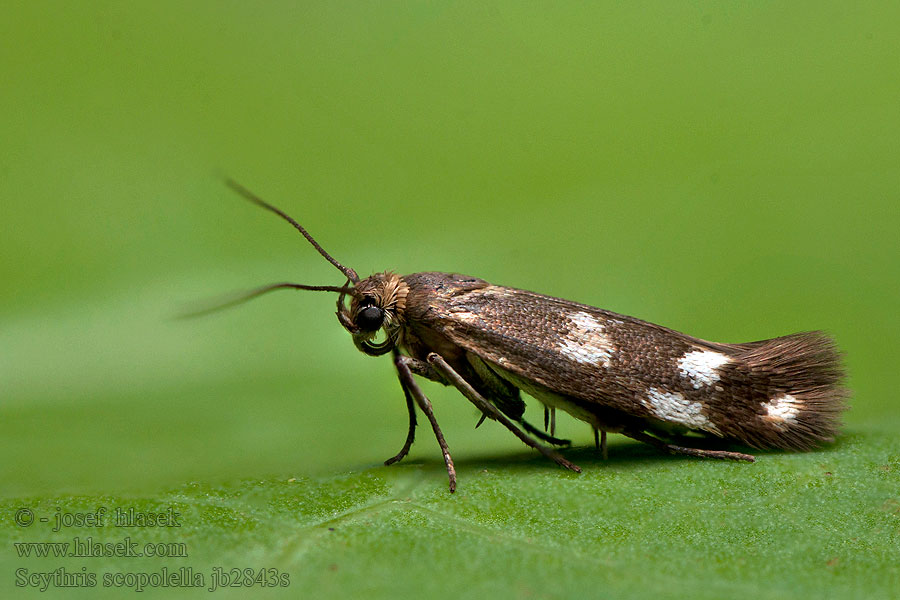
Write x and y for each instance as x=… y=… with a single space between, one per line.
x=234 y=185
x=240 y=299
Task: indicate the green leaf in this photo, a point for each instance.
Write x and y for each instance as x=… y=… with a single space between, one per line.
x=818 y=524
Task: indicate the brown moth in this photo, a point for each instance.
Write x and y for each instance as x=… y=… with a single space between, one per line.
x=617 y=373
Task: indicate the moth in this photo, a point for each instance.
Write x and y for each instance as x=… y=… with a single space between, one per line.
x=617 y=373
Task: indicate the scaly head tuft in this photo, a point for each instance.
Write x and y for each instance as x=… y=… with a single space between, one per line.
x=379 y=302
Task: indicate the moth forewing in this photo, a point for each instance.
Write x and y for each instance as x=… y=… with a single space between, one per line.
x=617 y=373
x=622 y=374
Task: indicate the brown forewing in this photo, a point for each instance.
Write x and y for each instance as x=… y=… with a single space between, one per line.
x=531 y=335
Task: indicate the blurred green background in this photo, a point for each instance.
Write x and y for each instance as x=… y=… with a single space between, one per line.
x=724 y=169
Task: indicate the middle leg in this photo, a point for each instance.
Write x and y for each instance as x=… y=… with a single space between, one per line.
x=493 y=412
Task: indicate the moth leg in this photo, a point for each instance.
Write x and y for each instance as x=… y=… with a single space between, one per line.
x=424 y=369
x=672 y=449
x=540 y=434
x=411 y=434
x=421 y=368
x=493 y=412
x=600 y=442
x=604 y=452
x=532 y=430
x=409 y=383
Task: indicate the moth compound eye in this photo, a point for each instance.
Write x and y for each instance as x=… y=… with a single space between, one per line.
x=370 y=318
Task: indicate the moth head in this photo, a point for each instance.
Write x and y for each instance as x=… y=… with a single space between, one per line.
x=375 y=315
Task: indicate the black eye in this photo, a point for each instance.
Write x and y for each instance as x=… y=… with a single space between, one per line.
x=369 y=318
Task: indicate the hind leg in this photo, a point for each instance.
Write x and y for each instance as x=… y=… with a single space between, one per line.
x=672 y=449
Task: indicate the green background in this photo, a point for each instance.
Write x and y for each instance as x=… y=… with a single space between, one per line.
x=729 y=170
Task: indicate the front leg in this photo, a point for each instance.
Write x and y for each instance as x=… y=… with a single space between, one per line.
x=411 y=433
x=492 y=411
x=423 y=369
x=411 y=387
x=420 y=368
x=426 y=370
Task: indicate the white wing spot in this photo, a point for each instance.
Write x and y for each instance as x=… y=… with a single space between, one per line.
x=587 y=342
x=783 y=408
x=701 y=366
x=585 y=321
x=675 y=408
x=464 y=316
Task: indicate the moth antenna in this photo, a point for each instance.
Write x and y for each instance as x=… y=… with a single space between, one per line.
x=241 y=298
x=234 y=185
